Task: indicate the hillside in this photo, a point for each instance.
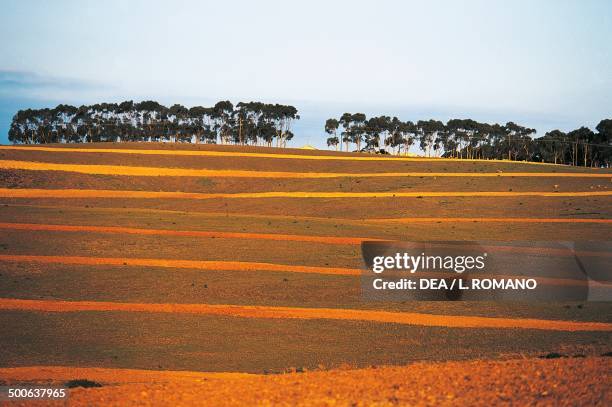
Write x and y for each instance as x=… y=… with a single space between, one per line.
x=246 y=259
x=558 y=382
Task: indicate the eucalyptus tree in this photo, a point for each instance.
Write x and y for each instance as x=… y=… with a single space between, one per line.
x=178 y=114
x=346 y=120
x=372 y=130
x=246 y=115
x=496 y=135
x=581 y=137
x=602 y=150
x=283 y=117
x=552 y=147
x=377 y=131
x=428 y=134
x=408 y=131
x=150 y=121
x=267 y=131
x=604 y=131
x=331 y=128
x=222 y=116
x=395 y=136
x=358 y=123
x=198 y=116
x=516 y=137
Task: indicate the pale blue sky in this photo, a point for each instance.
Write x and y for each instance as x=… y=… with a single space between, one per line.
x=545 y=64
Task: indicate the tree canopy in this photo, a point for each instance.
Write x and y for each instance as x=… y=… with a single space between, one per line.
x=469 y=139
x=246 y=123
x=267 y=124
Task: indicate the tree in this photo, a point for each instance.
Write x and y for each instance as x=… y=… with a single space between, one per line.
x=428 y=134
x=200 y=118
x=372 y=129
x=580 y=137
x=602 y=150
x=346 y=121
x=553 y=146
x=517 y=136
x=358 y=123
x=395 y=137
x=331 y=128
x=151 y=121
x=222 y=114
x=178 y=113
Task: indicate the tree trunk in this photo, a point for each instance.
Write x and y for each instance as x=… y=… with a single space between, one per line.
x=240 y=130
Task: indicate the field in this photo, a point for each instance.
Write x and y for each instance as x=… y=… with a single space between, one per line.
x=179 y=261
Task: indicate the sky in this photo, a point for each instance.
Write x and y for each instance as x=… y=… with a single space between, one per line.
x=543 y=64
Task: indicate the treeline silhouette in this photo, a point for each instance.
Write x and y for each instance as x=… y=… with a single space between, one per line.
x=246 y=123
x=259 y=123
x=469 y=139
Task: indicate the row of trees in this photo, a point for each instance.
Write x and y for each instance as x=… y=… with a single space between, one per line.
x=246 y=123
x=270 y=124
x=466 y=138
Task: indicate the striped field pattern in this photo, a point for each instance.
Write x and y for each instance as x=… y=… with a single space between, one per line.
x=95 y=274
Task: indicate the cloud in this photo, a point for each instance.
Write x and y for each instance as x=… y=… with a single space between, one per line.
x=24 y=89
x=25 y=84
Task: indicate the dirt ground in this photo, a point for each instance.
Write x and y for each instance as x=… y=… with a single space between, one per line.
x=19 y=178
x=559 y=382
x=496 y=365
